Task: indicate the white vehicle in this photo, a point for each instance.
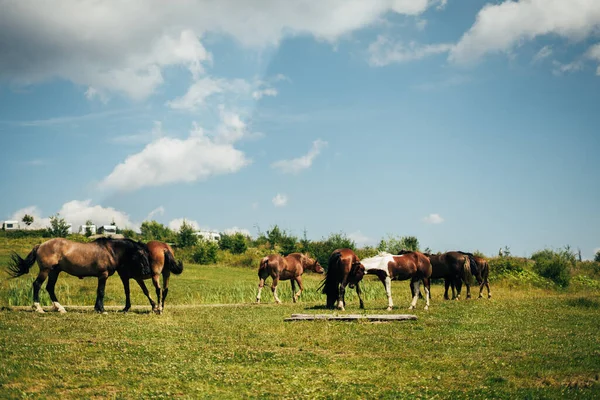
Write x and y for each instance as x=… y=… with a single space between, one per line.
x=208 y=236
x=11 y=225
x=108 y=230
x=84 y=228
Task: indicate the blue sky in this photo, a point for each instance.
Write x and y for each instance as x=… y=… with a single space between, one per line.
x=467 y=124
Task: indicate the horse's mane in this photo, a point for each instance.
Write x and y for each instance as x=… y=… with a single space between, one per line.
x=136 y=255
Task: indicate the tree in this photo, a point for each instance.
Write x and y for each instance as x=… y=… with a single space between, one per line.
x=395 y=244
x=597 y=256
x=275 y=236
x=152 y=230
x=88 y=229
x=186 y=236
x=239 y=245
x=58 y=226
x=27 y=219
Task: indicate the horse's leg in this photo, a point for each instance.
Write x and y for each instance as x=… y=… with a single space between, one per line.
x=341 y=295
x=468 y=285
x=416 y=284
x=166 y=275
x=261 y=284
x=125 y=281
x=156 y=283
x=37 y=285
x=387 y=284
x=487 y=285
x=458 y=285
x=293 y=283
x=426 y=287
x=142 y=285
x=274 y=289
x=481 y=284
x=300 y=287
x=52 y=277
x=99 y=307
x=359 y=294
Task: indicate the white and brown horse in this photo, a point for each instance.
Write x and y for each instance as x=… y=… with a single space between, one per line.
x=162 y=262
x=100 y=258
x=290 y=267
x=410 y=265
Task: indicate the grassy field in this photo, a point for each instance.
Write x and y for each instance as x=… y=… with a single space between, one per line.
x=213 y=342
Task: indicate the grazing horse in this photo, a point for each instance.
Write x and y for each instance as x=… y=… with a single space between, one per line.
x=290 y=267
x=161 y=256
x=411 y=265
x=100 y=258
x=452 y=267
x=344 y=268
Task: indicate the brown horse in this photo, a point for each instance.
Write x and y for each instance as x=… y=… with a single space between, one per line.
x=100 y=258
x=344 y=268
x=161 y=256
x=411 y=265
x=453 y=267
x=481 y=270
x=290 y=267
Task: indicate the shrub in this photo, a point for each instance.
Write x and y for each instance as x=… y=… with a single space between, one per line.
x=235 y=243
x=555 y=266
x=501 y=266
x=58 y=226
x=366 y=252
x=597 y=256
x=205 y=252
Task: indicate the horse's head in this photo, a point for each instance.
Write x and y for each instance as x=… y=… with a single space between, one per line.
x=316 y=267
x=357 y=272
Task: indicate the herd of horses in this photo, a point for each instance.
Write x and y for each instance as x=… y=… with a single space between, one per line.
x=140 y=261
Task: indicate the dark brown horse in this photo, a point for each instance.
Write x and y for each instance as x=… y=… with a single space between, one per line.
x=100 y=258
x=290 y=267
x=162 y=262
x=344 y=268
x=453 y=267
x=411 y=265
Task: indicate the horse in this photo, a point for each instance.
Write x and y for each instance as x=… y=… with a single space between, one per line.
x=452 y=267
x=100 y=258
x=480 y=269
x=160 y=255
x=344 y=268
x=411 y=265
x=290 y=267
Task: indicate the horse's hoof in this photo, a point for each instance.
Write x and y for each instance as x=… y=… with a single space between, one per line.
x=257 y=301
x=489 y=296
x=426 y=308
x=412 y=307
x=39 y=310
x=389 y=308
x=62 y=310
x=124 y=311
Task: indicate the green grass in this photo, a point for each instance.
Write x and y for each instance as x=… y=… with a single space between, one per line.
x=523 y=343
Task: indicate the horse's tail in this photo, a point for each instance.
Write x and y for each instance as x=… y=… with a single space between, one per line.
x=330 y=284
x=173 y=266
x=467 y=274
x=18 y=266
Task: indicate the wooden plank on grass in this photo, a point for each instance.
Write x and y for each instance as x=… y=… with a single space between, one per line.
x=351 y=317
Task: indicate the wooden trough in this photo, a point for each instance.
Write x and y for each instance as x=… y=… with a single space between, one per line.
x=352 y=317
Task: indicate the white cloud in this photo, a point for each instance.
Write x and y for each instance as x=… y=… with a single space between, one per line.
x=259 y=94
x=235 y=229
x=280 y=200
x=171 y=160
x=594 y=54
x=142 y=137
x=501 y=27
x=301 y=163
x=176 y=224
x=385 y=51
x=433 y=219
x=205 y=88
x=77 y=212
x=160 y=210
x=85 y=41
x=541 y=55
x=39 y=222
x=560 y=68
x=360 y=239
